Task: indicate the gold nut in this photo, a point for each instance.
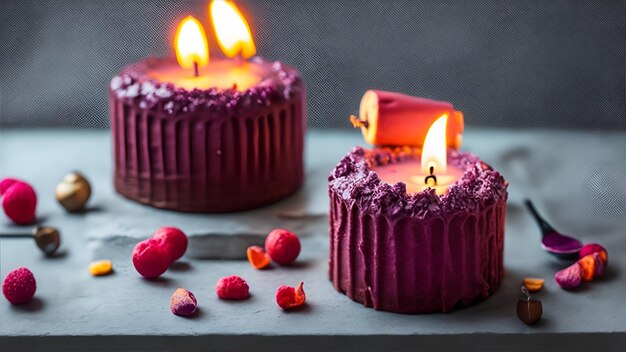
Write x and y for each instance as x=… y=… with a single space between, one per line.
x=73 y=192
x=533 y=284
x=101 y=267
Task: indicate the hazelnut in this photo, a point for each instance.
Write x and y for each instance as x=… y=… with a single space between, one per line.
x=48 y=239
x=73 y=192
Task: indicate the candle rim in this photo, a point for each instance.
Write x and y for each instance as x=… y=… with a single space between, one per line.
x=353 y=178
x=132 y=86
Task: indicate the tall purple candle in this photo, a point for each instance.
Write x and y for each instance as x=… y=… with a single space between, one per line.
x=207 y=149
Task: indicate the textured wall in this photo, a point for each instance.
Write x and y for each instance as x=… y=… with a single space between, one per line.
x=504 y=63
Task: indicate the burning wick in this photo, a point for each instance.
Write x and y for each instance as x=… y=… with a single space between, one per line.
x=431 y=176
x=357 y=122
x=195 y=69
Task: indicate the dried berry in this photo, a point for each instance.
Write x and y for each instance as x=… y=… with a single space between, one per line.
x=257 y=257
x=232 y=287
x=19 y=201
x=173 y=240
x=283 y=246
x=19 y=286
x=183 y=302
x=101 y=267
x=569 y=277
x=591 y=248
x=150 y=259
x=289 y=297
x=533 y=284
x=529 y=310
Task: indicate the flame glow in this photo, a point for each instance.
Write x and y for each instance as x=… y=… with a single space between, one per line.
x=231 y=29
x=434 y=152
x=191 y=44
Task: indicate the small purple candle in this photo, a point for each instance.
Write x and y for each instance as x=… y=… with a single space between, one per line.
x=406 y=242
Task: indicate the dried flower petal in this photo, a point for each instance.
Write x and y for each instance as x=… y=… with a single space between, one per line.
x=101 y=267
x=258 y=258
x=569 y=277
x=533 y=284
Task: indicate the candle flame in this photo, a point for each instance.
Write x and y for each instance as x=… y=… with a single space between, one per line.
x=191 y=44
x=231 y=29
x=434 y=153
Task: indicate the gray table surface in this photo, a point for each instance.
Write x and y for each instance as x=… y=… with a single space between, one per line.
x=577 y=179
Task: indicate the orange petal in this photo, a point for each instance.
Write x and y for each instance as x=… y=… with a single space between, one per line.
x=257 y=257
x=587 y=264
x=533 y=284
x=300 y=295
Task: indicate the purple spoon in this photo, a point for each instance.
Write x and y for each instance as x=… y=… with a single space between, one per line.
x=553 y=242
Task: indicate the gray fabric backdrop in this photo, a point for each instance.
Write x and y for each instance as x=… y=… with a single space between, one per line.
x=504 y=63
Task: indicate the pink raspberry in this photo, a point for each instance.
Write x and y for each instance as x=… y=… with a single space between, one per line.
x=173 y=240
x=6 y=183
x=232 y=287
x=19 y=200
x=288 y=297
x=150 y=259
x=283 y=246
x=19 y=286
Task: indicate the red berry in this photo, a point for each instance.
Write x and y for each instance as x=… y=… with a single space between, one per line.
x=173 y=240
x=19 y=286
x=150 y=259
x=6 y=183
x=289 y=297
x=232 y=287
x=19 y=201
x=283 y=246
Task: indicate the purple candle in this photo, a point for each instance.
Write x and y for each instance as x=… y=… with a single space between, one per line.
x=429 y=247
x=200 y=135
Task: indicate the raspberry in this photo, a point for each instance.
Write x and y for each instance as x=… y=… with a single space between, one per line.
x=257 y=257
x=19 y=201
x=173 y=240
x=289 y=297
x=150 y=259
x=183 y=302
x=283 y=246
x=19 y=286
x=6 y=183
x=232 y=287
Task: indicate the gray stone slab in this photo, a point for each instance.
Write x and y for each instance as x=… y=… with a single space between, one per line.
x=576 y=178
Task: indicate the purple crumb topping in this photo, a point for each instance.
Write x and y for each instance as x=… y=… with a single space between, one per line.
x=354 y=181
x=154 y=95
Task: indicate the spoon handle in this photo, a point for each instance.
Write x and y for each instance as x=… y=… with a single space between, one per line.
x=15 y=235
x=543 y=224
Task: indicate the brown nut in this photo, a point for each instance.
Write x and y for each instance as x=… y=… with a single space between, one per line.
x=73 y=192
x=48 y=239
x=529 y=310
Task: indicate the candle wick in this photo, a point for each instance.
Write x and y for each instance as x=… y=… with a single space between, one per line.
x=195 y=69
x=357 y=122
x=431 y=176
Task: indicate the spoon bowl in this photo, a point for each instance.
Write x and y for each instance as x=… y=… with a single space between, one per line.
x=552 y=241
